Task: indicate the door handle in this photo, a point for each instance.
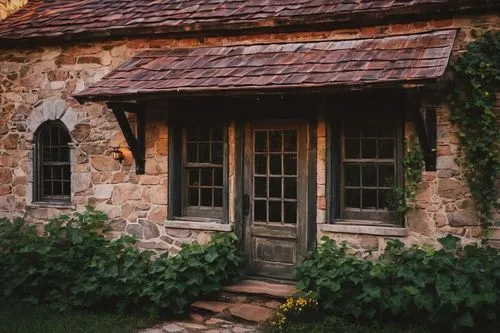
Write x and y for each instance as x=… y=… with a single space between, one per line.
x=246 y=204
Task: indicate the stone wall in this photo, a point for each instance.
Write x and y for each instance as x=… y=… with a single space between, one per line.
x=8 y=7
x=37 y=84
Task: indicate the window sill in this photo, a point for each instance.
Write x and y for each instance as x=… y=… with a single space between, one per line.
x=376 y=230
x=206 y=226
x=41 y=204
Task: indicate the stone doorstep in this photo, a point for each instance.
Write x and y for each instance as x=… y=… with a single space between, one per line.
x=249 y=312
x=262 y=288
x=212 y=306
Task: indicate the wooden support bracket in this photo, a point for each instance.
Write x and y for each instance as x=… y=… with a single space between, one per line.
x=425 y=122
x=136 y=143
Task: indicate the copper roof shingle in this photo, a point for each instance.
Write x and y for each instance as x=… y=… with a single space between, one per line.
x=57 y=18
x=286 y=65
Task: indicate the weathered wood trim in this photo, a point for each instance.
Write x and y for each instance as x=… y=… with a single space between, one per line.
x=174 y=168
x=312 y=181
x=239 y=181
x=364 y=230
x=204 y=226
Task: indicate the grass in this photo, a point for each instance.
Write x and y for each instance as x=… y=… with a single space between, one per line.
x=335 y=325
x=25 y=318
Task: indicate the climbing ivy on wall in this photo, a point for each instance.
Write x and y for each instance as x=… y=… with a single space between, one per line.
x=477 y=77
x=413 y=164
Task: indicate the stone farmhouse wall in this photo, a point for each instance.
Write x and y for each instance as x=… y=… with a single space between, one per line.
x=8 y=7
x=37 y=84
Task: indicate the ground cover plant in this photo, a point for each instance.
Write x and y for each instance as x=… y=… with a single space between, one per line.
x=72 y=265
x=28 y=318
x=452 y=289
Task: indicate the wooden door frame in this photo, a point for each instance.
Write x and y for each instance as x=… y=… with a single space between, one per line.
x=310 y=179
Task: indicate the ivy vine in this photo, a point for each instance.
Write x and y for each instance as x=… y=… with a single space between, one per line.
x=413 y=162
x=477 y=77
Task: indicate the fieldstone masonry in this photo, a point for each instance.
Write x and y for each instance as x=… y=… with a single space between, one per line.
x=8 y=7
x=37 y=84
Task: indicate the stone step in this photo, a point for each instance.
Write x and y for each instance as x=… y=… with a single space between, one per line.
x=256 y=287
x=240 y=311
x=252 y=313
x=211 y=306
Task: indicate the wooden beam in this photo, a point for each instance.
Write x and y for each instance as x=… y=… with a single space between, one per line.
x=135 y=143
x=425 y=125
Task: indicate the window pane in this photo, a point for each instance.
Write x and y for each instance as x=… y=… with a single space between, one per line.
x=206 y=197
x=194 y=177
x=192 y=152
x=260 y=210
x=352 y=175
x=67 y=188
x=57 y=187
x=352 y=148
x=218 y=181
x=369 y=199
x=369 y=176
x=290 y=164
x=64 y=154
x=290 y=140
x=204 y=153
x=386 y=199
x=369 y=148
x=193 y=197
x=47 y=188
x=217 y=149
x=352 y=198
x=46 y=155
x=206 y=177
x=386 y=176
x=275 y=141
x=290 y=212
x=275 y=164
x=290 y=188
x=261 y=187
x=260 y=164
x=47 y=173
x=385 y=148
x=274 y=211
x=57 y=173
x=275 y=187
x=261 y=141
x=217 y=197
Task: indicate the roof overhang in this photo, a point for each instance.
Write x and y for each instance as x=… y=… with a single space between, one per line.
x=403 y=60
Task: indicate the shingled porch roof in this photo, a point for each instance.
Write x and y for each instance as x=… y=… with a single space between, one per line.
x=327 y=63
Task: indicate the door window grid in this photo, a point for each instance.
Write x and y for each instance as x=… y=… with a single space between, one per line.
x=54 y=175
x=275 y=176
x=204 y=166
x=368 y=171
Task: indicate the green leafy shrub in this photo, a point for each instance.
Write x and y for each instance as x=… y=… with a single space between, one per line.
x=455 y=288
x=74 y=265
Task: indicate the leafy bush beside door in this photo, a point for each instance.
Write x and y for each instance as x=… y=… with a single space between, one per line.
x=74 y=265
x=454 y=289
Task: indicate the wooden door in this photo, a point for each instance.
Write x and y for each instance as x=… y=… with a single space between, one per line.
x=275 y=197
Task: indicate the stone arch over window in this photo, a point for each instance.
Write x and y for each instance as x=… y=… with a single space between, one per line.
x=52 y=163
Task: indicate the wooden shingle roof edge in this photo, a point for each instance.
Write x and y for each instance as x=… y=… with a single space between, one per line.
x=41 y=22
x=269 y=68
